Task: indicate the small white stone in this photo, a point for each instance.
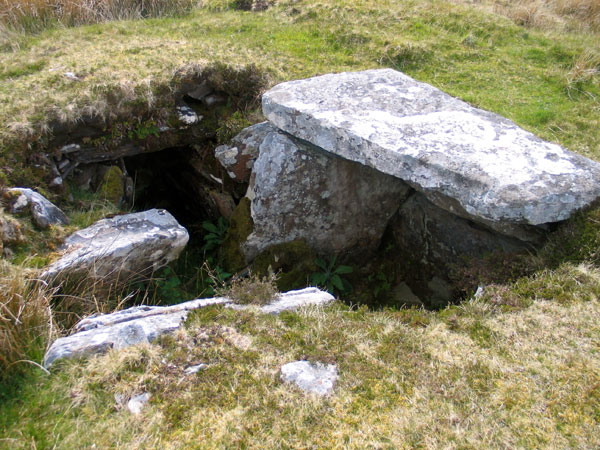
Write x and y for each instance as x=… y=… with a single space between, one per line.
x=71 y=76
x=136 y=404
x=316 y=378
x=190 y=370
x=187 y=115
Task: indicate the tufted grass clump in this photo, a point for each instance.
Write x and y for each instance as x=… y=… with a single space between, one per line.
x=26 y=319
x=253 y=290
x=35 y=15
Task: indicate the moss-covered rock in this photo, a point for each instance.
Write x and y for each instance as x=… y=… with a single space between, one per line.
x=294 y=261
x=112 y=187
x=231 y=257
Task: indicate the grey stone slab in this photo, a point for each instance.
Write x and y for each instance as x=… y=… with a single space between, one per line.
x=141 y=324
x=120 y=248
x=299 y=191
x=468 y=161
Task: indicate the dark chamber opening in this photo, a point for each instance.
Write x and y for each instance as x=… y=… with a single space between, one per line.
x=178 y=180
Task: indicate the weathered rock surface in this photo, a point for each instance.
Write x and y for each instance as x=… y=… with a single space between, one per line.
x=316 y=378
x=187 y=115
x=434 y=241
x=292 y=300
x=470 y=162
x=301 y=192
x=43 y=211
x=121 y=248
x=238 y=157
x=98 y=334
x=121 y=329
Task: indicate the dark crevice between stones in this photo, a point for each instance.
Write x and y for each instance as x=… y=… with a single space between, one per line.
x=186 y=181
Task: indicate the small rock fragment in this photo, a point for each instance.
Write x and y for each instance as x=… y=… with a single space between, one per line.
x=70 y=148
x=190 y=370
x=136 y=404
x=316 y=378
x=187 y=115
x=71 y=76
x=44 y=212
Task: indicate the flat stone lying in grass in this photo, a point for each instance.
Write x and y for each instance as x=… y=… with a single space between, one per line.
x=141 y=324
x=470 y=162
x=118 y=249
x=315 y=378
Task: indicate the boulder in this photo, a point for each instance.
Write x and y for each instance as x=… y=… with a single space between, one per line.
x=43 y=212
x=140 y=324
x=434 y=242
x=119 y=249
x=299 y=191
x=470 y=162
x=238 y=157
x=316 y=378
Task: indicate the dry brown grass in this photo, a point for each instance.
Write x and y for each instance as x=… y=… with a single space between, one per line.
x=586 y=67
x=33 y=15
x=551 y=14
x=26 y=322
x=253 y=290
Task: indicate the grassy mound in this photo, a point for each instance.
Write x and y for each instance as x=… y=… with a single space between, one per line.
x=516 y=368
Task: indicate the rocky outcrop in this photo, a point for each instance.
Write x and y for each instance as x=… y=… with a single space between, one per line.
x=43 y=211
x=119 y=249
x=299 y=191
x=316 y=378
x=470 y=162
x=98 y=334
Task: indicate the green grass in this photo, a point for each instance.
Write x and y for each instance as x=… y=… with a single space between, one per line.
x=474 y=375
x=520 y=74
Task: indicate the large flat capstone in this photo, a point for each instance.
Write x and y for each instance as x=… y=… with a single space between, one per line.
x=470 y=162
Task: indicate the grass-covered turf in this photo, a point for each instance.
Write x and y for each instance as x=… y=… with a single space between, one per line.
x=537 y=78
x=516 y=369
x=474 y=376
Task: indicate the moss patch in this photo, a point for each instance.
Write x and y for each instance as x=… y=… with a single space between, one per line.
x=241 y=225
x=112 y=188
x=295 y=262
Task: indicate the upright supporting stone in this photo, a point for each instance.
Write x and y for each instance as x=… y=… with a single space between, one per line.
x=301 y=192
